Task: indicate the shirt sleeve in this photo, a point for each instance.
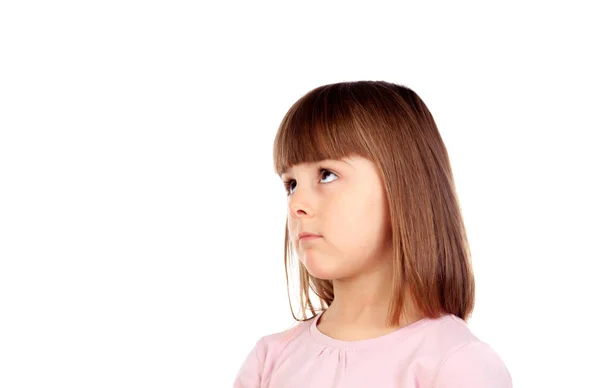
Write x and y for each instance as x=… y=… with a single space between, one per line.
x=475 y=365
x=249 y=374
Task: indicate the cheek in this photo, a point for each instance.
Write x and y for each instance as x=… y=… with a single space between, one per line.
x=292 y=235
x=353 y=222
x=366 y=222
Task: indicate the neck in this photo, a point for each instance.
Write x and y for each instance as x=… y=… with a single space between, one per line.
x=363 y=302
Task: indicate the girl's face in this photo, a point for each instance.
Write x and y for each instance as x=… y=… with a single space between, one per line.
x=342 y=201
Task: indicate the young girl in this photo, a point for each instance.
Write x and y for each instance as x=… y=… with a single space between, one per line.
x=375 y=222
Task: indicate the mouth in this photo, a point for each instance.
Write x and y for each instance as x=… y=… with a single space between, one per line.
x=308 y=238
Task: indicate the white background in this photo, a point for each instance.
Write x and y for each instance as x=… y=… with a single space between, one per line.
x=141 y=222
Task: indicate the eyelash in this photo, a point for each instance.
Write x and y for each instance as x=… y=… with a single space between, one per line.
x=287 y=183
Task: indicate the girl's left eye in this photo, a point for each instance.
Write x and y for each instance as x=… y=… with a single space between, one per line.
x=288 y=182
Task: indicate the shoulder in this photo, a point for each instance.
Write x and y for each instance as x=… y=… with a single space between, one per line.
x=274 y=342
x=450 y=332
x=471 y=363
x=283 y=337
x=263 y=354
x=458 y=358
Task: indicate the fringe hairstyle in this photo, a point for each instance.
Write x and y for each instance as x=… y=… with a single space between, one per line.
x=391 y=126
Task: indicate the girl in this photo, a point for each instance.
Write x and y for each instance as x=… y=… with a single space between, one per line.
x=375 y=222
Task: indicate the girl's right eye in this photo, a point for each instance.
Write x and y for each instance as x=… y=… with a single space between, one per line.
x=288 y=183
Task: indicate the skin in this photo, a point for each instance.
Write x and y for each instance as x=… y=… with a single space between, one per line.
x=347 y=207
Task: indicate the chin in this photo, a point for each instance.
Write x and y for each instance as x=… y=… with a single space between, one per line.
x=321 y=267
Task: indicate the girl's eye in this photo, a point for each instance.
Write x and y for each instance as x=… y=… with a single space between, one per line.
x=288 y=183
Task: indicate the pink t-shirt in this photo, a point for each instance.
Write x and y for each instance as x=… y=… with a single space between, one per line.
x=430 y=353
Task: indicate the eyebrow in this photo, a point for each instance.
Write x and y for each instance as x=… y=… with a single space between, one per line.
x=287 y=169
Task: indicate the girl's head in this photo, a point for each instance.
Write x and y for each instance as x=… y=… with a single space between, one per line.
x=365 y=168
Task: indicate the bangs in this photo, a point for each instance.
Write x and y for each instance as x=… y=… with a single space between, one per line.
x=321 y=125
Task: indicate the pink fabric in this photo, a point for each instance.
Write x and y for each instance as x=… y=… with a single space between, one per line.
x=430 y=353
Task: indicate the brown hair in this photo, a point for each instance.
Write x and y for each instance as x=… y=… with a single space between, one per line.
x=391 y=126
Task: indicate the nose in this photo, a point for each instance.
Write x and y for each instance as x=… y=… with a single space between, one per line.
x=300 y=204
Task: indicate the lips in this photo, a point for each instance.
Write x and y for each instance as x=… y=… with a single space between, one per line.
x=304 y=235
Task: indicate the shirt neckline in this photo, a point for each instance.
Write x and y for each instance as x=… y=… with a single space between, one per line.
x=383 y=340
